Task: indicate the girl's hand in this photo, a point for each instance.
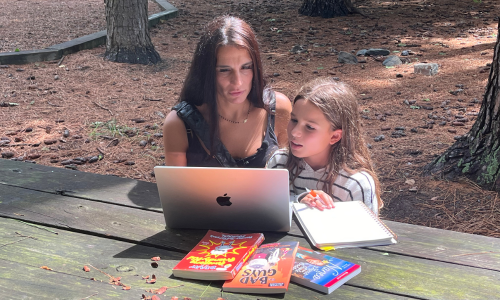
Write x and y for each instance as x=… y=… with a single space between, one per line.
x=324 y=201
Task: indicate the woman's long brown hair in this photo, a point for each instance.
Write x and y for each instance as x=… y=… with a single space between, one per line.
x=338 y=103
x=200 y=84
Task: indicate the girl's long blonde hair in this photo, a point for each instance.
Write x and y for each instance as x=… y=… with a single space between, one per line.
x=339 y=105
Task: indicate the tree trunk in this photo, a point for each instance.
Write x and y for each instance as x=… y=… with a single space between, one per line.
x=128 y=39
x=476 y=155
x=327 y=8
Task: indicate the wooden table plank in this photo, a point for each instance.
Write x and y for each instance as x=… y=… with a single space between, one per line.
x=402 y=274
x=35 y=284
x=443 y=245
x=421 y=278
x=85 y=185
x=19 y=281
x=24 y=248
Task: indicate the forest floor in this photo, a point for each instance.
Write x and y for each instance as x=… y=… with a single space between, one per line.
x=62 y=114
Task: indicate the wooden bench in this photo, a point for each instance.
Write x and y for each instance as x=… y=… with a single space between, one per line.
x=65 y=219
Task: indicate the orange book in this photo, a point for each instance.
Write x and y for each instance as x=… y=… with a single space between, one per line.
x=268 y=271
x=218 y=256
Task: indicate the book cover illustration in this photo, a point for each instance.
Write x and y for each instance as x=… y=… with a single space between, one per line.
x=218 y=256
x=320 y=271
x=267 y=271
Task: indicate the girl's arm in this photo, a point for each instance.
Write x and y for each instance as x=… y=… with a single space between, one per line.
x=283 y=110
x=364 y=190
x=175 y=140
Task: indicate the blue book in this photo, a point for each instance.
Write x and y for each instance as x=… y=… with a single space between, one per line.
x=320 y=271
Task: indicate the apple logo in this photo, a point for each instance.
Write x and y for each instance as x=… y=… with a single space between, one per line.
x=224 y=200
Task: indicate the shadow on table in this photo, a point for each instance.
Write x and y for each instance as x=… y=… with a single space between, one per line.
x=178 y=242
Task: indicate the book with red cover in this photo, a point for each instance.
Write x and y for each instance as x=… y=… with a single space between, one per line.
x=218 y=256
x=322 y=272
x=268 y=271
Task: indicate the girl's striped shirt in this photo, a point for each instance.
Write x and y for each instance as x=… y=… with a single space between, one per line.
x=347 y=187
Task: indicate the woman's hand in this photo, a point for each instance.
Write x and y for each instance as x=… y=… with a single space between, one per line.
x=321 y=201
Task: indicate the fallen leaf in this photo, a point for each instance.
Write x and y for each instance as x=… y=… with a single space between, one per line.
x=410 y=182
x=86 y=269
x=145 y=277
x=155 y=297
x=156 y=258
x=186 y=298
x=126 y=287
x=45 y=268
x=144 y=297
x=115 y=279
x=174 y=298
x=161 y=290
x=153 y=279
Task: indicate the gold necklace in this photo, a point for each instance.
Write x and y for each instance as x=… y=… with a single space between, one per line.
x=235 y=122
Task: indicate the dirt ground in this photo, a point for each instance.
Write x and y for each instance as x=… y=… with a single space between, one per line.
x=70 y=113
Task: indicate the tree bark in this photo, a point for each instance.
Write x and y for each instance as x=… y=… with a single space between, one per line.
x=476 y=155
x=327 y=8
x=128 y=39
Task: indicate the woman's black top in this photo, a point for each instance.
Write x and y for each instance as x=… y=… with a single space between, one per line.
x=198 y=130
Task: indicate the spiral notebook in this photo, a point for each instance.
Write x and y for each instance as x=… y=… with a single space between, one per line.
x=349 y=224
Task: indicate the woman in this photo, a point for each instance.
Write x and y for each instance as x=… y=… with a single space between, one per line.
x=225 y=116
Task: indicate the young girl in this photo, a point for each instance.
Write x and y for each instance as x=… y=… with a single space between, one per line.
x=326 y=152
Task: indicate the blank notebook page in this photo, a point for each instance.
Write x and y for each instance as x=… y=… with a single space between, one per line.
x=346 y=223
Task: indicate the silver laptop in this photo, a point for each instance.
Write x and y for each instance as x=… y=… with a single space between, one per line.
x=225 y=198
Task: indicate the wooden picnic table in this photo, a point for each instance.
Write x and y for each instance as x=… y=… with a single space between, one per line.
x=65 y=219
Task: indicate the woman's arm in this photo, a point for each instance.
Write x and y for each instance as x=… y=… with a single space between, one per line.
x=175 y=140
x=283 y=110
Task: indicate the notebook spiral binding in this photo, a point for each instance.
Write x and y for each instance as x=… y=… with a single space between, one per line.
x=380 y=222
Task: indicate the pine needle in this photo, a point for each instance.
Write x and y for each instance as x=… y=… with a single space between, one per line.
x=206 y=289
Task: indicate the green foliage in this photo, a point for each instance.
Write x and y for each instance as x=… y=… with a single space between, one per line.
x=109 y=128
x=466 y=168
x=492 y=164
